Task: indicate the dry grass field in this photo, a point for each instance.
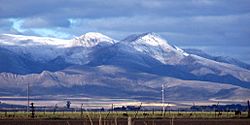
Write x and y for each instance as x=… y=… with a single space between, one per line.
x=124 y=118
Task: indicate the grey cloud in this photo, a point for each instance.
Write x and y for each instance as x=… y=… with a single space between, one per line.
x=5 y=23
x=6 y=26
x=45 y=22
x=113 y=8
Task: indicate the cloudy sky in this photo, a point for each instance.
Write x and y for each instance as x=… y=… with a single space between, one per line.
x=220 y=27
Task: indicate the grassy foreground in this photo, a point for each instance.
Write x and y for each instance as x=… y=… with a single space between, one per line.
x=119 y=114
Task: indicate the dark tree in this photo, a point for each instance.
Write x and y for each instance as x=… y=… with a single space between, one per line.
x=68 y=104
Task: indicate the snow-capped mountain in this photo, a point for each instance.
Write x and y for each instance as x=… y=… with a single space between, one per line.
x=44 y=49
x=156 y=47
x=41 y=49
x=92 y=39
x=97 y=65
x=222 y=59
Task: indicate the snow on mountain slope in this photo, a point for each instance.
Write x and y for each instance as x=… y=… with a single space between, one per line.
x=20 y=40
x=92 y=39
x=38 y=48
x=149 y=53
x=222 y=59
x=203 y=66
x=45 y=49
x=158 y=48
x=142 y=50
x=82 y=47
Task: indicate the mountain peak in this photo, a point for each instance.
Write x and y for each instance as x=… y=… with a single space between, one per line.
x=150 y=33
x=92 y=39
x=149 y=38
x=93 y=35
x=152 y=39
x=153 y=45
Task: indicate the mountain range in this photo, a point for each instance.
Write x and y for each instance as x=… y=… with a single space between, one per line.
x=95 y=65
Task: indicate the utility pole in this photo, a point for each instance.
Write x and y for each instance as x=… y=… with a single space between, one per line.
x=28 y=98
x=81 y=110
x=162 y=99
x=248 y=105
